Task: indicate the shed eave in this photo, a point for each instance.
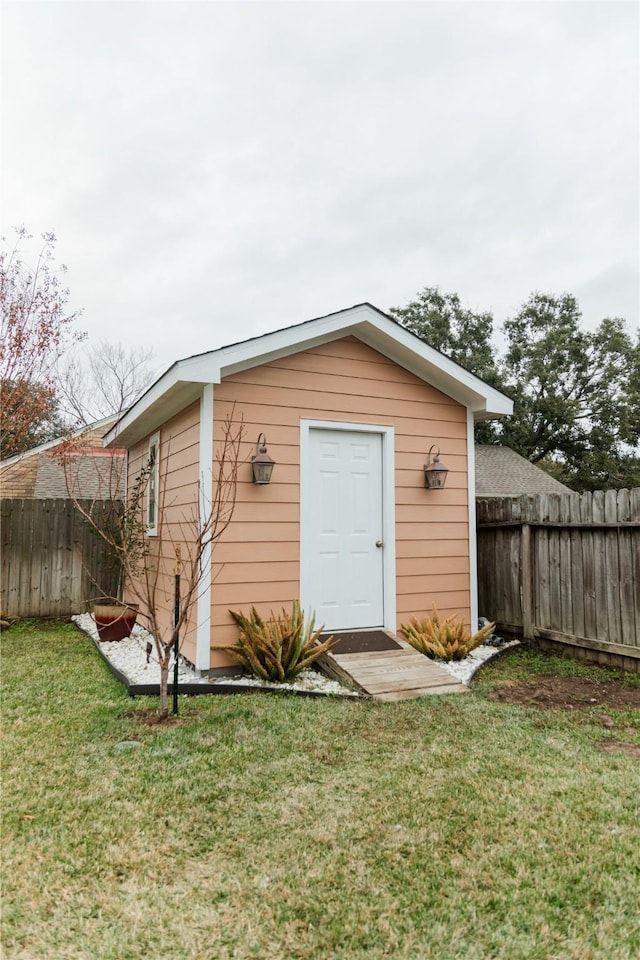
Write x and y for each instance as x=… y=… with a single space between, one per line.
x=408 y=351
x=139 y=423
x=382 y=334
x=183 y=382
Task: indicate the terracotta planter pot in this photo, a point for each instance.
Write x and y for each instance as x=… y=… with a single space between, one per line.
x=114 y=620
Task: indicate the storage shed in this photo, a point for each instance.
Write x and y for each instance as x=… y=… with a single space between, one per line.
x=348 y=406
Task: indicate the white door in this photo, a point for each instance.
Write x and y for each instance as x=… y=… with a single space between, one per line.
x=342 y=535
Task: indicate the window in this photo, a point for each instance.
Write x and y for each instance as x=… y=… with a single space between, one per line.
x=153 y=463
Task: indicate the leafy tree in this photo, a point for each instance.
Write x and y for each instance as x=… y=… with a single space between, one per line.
x=461 y=334
x=35 y=329
x=30 y=415
x=576 y=393
x=598 y=470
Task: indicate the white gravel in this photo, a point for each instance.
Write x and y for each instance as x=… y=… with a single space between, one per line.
x=464 y=670
x=130 y=658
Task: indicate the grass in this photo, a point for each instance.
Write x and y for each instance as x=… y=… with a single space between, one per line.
x=289 y=828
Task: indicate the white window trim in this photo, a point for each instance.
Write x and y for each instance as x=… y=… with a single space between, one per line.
x=153 y=484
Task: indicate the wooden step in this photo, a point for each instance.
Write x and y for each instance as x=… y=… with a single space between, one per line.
x=399 y=674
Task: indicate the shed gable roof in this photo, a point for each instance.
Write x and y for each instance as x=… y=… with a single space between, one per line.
x=182 y=383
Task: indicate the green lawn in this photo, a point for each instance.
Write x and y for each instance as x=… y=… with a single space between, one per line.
x=281 y=827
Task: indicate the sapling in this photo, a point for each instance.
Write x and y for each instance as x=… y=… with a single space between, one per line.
x=186 y=541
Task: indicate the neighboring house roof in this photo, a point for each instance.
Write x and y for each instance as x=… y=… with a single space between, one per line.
x=182 y=383
x=501 y=472
x=37 y=474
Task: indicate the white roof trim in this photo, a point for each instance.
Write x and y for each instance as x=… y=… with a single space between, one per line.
x=182 y=383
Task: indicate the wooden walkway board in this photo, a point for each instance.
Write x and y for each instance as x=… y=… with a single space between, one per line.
x=401 y=674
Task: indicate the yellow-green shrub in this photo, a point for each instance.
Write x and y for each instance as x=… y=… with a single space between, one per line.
x=443 y=640
x=279 y=648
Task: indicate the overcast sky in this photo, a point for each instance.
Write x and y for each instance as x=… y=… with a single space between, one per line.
x=214 y=171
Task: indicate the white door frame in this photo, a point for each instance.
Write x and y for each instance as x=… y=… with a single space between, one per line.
x=307 y=508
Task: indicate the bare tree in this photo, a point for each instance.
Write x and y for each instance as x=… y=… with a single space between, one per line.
x=177 y=553
x=103 y=380
x=36 y=328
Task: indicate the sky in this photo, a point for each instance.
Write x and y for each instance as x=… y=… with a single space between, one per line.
x=214 y=171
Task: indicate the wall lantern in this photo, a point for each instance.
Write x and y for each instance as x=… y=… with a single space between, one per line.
x=435 y=472
x=261 y=464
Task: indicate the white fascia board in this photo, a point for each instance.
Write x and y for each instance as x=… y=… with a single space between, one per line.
x=211 y=367
x=147 y=400
x=203 y=368
x=181 y=383
x=435 y=368
x=363 y=321
x=168 y=395
x=283 y=343
x=383 y=335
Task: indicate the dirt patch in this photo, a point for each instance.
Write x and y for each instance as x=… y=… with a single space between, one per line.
x=571 y=693
x=150 y=717
x=612 y=746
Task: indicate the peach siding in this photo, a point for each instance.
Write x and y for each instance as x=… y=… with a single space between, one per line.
x=179 y=475
x=258 y=560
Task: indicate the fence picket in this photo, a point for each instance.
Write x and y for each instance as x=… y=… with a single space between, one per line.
x=588 y=566
x=571 y=569
x=553 y=546
x=612 y=564
x=577 y=569
x=51 y=561
x=566 y=584
x=628 y=628
x=600 y=568
x=541 y=581
x=634 y=501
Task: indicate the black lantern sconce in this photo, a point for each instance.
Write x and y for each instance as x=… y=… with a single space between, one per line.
x=435 y=472
x=261 y=463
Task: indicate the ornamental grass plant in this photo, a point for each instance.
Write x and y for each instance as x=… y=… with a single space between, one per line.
x=443 y=639
x=280 y=648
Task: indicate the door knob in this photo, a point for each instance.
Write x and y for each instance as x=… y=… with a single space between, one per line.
x=379 y=543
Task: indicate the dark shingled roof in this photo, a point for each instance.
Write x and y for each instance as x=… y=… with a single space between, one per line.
x=38 y=475
x=501 y=472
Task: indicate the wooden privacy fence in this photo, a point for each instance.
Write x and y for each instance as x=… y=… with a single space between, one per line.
x=51 y=561
x=564 y=567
